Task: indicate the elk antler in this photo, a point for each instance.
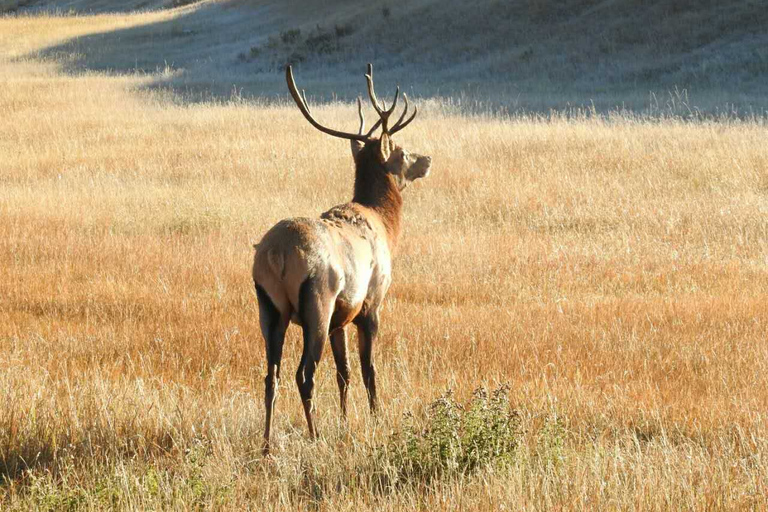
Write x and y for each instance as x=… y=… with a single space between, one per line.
x=362 y=119
x=360 y=113
x=383 y=114
x=301 y=102
x=399 y=125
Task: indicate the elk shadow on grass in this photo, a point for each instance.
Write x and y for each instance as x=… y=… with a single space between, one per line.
x=51 y=455
x=15 y=462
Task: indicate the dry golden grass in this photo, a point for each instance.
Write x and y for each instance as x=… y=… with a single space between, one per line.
x=613 y=272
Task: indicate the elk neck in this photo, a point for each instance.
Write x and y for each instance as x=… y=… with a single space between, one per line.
x=376 y=189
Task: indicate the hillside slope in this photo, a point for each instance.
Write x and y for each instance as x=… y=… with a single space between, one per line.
x=89 y=6
x=531 y=55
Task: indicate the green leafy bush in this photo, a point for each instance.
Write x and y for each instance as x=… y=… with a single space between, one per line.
x=456 y=439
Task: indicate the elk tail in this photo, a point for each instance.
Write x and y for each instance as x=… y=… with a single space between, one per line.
x=276 y=262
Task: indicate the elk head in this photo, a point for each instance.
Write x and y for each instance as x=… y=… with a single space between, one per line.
x=403 y=165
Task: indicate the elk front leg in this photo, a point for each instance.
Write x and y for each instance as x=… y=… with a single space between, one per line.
x=367 y=330
x=339 y=346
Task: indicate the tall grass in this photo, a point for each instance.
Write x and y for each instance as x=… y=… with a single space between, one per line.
x=612 y=272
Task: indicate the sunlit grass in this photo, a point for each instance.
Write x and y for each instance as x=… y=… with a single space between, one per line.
x=612 y=272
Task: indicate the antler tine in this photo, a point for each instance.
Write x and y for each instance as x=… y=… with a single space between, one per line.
x=360 y=113
x=394 y=102
x=302 y=104
x=402 y=116
x=306 y=103
x=380 y=109
x=399 y=126
x=371 y=92
x=362 y=119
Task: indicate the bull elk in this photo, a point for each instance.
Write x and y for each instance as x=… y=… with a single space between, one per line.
x=326 y=273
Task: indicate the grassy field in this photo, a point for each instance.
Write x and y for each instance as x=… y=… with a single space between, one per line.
x=612 y=273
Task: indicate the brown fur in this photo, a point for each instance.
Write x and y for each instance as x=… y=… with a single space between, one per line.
x=376 y=189
x=329 y=272
x=326 y=273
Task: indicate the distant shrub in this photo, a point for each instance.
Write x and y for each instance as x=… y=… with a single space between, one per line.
x=344 y=30
x=386 y=11
x=291 y=47
x=295 y=58
x=273 y=42
x=322 y=42
x=290 y=36
x=527 y=55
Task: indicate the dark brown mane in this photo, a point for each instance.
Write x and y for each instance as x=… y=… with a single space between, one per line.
x=377 y=189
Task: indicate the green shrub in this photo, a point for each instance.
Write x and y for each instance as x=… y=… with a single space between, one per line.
x=456 y=439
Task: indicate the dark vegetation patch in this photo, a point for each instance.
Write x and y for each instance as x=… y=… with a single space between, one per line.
x=11 y=6
x=292 y=46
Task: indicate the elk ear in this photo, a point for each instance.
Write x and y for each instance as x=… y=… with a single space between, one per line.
x=357 y=146
x=385 y=147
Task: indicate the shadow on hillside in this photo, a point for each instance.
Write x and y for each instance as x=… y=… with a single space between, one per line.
x=217 y=50
x=181 y=52
x=205 y=54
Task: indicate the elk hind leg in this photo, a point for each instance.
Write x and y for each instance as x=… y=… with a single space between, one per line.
x=367 y=331
x=273 y=327
x=340 y=356
x=315 y=303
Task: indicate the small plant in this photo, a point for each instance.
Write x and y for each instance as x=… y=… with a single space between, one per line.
x=527 y=55
x=295 y=58
x=273 y=42
x=550 y=442
x=290 y=36
x=456 y=439
x=344 y=30
x=322 y=42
